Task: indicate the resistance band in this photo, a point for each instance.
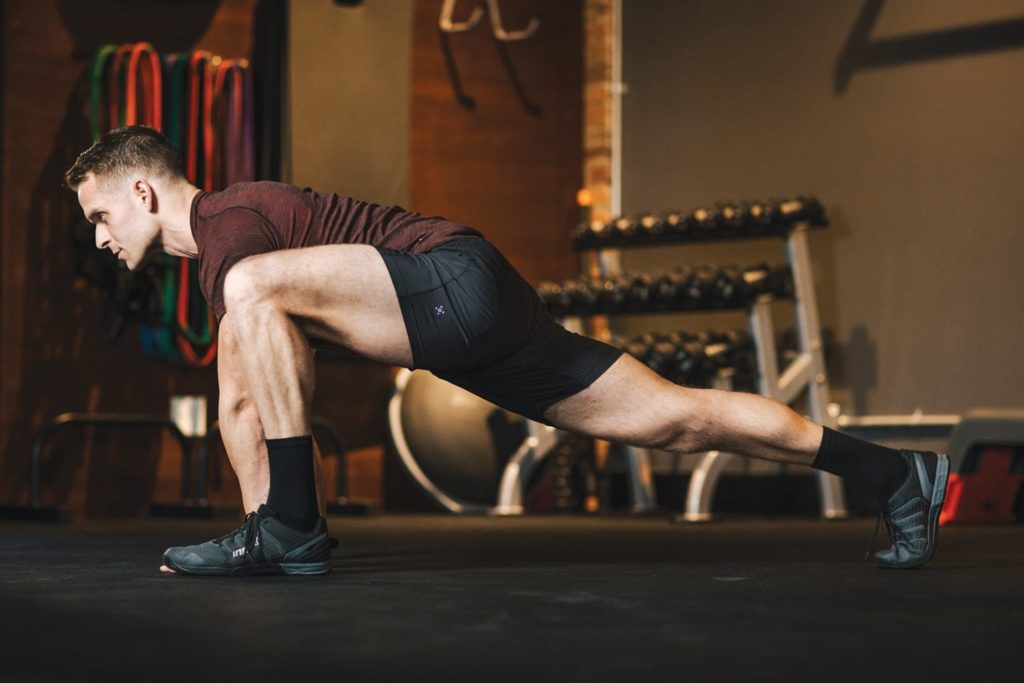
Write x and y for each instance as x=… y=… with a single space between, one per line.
x=204 y=105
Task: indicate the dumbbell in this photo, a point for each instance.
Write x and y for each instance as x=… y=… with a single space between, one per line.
x=705 y=220
x=801 y=209
x=697 y=292
x=670 y=288
x=651 y=225
x=716 y=351
x=678 y=224
x=764 y=218
x=587 y=296
x=731 y=349
x=588 y=233
x=625 y=228
x=729 y=289
x=596 y=231
x=640 y=293
x=732 y=218
x=576 y=293
x=659 y=354
x=766 y=279
x=612 y=294
x=689 y=365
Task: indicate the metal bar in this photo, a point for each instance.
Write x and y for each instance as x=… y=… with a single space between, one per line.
x=112 y=419
x=913 y=426
x=760 y=319
x=833 y=499
x=618 y=89
x=186 y=475
x=703 y=482
x=808 y=324
x=341 y=478
x=797 y=377
x=541 y=440
x=202 y=466
x=641 y=483
x=510 y=491
x=897 y=421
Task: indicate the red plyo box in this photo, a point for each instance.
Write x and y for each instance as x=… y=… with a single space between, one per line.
x=986 y=495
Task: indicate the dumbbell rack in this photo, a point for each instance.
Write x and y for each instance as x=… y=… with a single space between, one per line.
x=805 y=372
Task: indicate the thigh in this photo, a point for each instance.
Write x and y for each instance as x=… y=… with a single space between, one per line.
x=550 y=366
x=339 y=294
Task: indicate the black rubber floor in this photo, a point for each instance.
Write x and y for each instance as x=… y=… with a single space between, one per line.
x=543 y=598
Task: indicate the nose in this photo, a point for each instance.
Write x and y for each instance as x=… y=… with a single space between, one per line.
x=102 y=237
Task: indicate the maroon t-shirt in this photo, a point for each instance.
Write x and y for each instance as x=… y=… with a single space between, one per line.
x=254 y=218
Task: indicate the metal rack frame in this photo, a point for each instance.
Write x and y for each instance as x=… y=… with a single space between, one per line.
x=806 y=372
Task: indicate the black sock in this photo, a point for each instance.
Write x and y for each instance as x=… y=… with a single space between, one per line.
x=292 y=481
x=879 y=469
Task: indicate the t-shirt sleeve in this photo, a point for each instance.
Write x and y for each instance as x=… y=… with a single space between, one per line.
x=239 y=234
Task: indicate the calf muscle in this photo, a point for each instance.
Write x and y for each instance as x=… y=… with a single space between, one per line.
x=242 y=434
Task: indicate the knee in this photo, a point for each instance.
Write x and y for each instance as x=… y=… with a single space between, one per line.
x=684 y=426
x=244 y=286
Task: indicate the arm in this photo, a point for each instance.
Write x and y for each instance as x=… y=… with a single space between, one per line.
x=240 y=426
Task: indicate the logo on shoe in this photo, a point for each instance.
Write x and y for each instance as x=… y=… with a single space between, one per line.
x=241 y=551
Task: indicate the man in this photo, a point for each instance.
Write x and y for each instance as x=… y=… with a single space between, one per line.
x=281 y=266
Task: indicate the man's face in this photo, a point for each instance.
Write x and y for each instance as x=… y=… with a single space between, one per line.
x=121 y=212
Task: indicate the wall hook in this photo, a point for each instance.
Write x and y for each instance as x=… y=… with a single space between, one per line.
x=509 y=36
x=448 y=26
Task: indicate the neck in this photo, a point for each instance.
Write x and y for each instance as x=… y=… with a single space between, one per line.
x=176 y=227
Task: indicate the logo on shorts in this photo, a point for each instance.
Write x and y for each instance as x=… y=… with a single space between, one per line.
x=438 y=311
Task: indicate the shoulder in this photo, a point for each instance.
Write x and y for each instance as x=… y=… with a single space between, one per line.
x=258 y=196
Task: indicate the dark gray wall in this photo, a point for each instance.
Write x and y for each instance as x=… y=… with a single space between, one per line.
x=349 y=80
x=921 y=166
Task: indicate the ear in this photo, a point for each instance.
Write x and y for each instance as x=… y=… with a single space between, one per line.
x=142 y=191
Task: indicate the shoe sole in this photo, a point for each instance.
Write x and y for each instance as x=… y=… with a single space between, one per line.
x=938 y=497
x=264 y=569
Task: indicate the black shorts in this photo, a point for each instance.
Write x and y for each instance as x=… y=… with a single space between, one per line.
x=474 y=321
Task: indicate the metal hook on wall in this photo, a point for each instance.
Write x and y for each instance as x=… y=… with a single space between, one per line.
x=448 y=26
x=509 y=36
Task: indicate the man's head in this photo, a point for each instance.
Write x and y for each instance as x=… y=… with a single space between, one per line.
x=119 y=181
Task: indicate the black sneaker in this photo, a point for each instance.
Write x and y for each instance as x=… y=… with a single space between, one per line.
x=262 y=545
x=911 y=514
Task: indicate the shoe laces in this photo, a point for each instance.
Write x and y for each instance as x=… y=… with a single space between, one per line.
x=250 y=531
x=895 y=535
